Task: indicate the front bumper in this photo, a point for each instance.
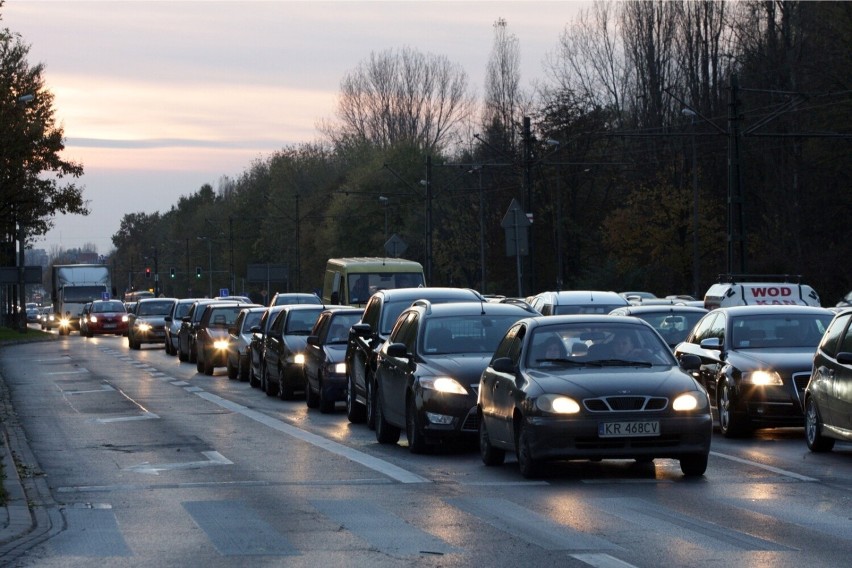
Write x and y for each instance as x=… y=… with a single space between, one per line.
x=445 y=415
x=577 y=437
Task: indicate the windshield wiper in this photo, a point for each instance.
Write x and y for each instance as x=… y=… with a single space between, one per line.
x=625 y=363
x=566 y=362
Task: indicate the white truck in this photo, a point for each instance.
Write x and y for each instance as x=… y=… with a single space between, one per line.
x=75 y=285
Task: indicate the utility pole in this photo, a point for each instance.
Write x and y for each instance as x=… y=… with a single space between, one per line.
x=529 y=201
x=429 y=280
x=736 y=214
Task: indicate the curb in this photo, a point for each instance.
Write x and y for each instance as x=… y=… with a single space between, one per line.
x=19 y=520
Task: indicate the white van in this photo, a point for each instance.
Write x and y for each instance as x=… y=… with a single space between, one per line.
x=724 y=294
x=351 y=281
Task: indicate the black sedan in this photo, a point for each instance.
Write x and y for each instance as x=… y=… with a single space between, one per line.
x=284 y=349
x=828 y=397
x=428 y=370
x=325 y=368
x=756 y=362
x=618 y=393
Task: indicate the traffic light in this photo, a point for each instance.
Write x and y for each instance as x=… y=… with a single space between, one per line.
x=147 y=273
x=172 y=273
x=198 y=272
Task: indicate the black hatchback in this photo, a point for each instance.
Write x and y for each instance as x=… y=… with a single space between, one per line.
x=428 y=371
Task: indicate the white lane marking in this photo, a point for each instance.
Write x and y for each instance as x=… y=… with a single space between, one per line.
x=104 y=388
x=213 y=458
x=80 y=371
x=600 y=560
x=376 y=464
x=779 y=471
x=144 y=416
x=180 y=383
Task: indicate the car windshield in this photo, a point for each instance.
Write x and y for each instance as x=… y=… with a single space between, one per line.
x=596 y=344
x=571 y=309
x=301 y=322
x=338 y=331
x=104 y=307
x=362 y=285
x=674 y=327
x=82 y=293
x=252 y=319
x=464 y=334
x=155 y=308
x=224 y=317
x=182 y=309
x=767 y=331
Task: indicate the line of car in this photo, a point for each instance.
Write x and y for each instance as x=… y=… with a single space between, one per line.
x=448 y=366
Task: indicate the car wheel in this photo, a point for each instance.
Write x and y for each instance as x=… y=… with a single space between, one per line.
x=181 y=355
x=232 y=371
x=813 y=429
x=326 y=406
x=385 y=432
x=731 y=424
x=285 y=390
x=312 y=399
x=417 y=443
x=254 y=382
x=269 y=388
x=193 y=353
x=490 y=455
x=529 y=466
x=208 y=367
x=371 y=402
x=693 y=465
x=242 y=369
x=355 y=412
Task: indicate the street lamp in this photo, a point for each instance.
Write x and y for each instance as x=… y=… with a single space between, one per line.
x=384 y=201
x=695 y=258
x=209 y=263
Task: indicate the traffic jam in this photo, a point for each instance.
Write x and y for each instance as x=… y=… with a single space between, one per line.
x=560 y=375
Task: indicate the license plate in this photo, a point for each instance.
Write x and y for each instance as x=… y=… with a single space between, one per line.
x=109 y=326
x=628 y=429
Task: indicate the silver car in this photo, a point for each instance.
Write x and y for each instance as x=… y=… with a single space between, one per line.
x=173 y=321
x=238 y=362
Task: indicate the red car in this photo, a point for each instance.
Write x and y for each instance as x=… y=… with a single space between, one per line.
x=105 y=316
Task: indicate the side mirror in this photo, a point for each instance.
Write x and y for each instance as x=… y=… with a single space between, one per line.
x=711 y=343
x=844 y=358
x=362 y=329
x=689 y=362
x=503 y=365
x=168 y=319
x=313 y=340
x=397 y=350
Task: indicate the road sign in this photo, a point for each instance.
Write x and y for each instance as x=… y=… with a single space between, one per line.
x=516 y=225
x=395 y=246
x=223 y=292
x=10 y=275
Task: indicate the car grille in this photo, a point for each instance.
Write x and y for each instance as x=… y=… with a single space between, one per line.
x=800 y=381
x=669 y=441
x=625 y=404
x=471 y=421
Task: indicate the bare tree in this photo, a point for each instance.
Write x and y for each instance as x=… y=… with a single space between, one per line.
x=504 y=100
x=402 y=96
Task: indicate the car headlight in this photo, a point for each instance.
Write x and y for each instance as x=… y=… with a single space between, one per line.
x=557 y=404
x=762 y=378
x=337 y=368
x=443 y=384
x=686 y=402
x=93 y=319
x=220 y=344
x=64 y=321
x=299 y=359
x=143 y=326
x=124 y=319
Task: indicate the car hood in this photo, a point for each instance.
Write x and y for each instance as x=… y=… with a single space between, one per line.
x=335 y=352
x=153 y=320
x=296 y=343
x=594 y=382
x=793 y=359
x=466 y=369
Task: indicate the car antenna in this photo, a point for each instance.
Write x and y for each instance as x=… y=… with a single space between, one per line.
x=482 y=306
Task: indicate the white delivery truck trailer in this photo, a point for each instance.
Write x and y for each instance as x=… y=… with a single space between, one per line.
x=75 y=285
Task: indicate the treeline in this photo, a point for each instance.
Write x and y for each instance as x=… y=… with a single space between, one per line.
x=635 y=124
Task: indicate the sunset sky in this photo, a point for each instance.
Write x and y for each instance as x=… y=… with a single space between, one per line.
x=158 y=98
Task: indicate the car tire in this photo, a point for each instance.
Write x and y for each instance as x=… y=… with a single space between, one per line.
x=312 y=399
x=693 y=465
x=731 y=424
x=285 y=390
x=326 y=406
x=268 y=387
x=371 y=402
x=182 y=357
x=232 y=371
x=530 y=467
x=490 y=455
x=193 y=353
x=242 y=369
x=208 y=367
x=355 y=412
x=254 y=382
x=385 y=432
x=199 y=364
x=813 y=429
x=417 y=443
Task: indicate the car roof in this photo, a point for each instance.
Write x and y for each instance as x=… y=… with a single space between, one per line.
x=773 y=309
x=658 y=309
x=586 y=319
x=411 y=294
x=470 y=308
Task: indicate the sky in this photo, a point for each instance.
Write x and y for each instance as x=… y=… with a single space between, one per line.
x=157 y=98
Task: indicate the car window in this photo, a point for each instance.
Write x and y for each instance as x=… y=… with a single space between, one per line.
x=846 y=345
x=465 y=334
x=301 y=322
x=338 y=329
x=510 y=344
x=831 y=339
x=778 y=330
x=250 y=320
x=154 y=308
x=702 y=329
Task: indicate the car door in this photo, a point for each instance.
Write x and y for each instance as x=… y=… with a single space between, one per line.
x=394 y=372
x=842 y=384
x=707 y=328
x=496 y=388
x=274 y=347
x=835 y=373
x=314 y=351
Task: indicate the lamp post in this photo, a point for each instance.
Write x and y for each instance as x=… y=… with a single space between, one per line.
x=384 y=201
x=209 y=263
x=695 y=258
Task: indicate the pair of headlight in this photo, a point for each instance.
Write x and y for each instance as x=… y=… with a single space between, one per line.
x=559 y=404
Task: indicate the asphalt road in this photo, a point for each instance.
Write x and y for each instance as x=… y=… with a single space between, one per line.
x=147 y=463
